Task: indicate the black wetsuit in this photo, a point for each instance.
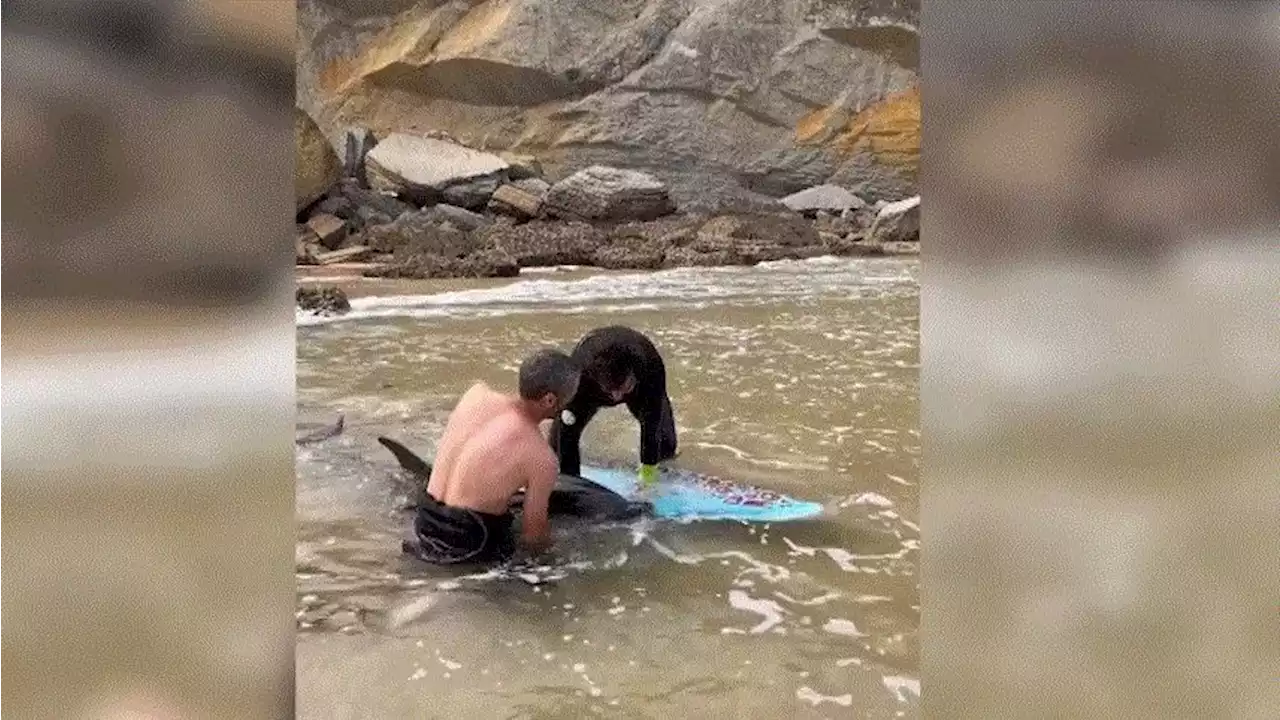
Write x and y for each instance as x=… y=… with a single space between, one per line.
x=611 y=353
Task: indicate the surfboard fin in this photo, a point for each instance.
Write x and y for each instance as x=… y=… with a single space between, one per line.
x=407 y=459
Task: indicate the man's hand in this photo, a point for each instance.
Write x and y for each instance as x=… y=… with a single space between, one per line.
x=535 y=545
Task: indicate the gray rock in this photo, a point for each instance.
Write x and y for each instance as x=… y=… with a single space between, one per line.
x=370 y=216
x=541 y=243
x=443 y=241
x=515 y=202
x=900 y=248
x=330 y=229
x=355 y=253
x=621 y=258
x=751 y=238
x=644 y=245
x=420 y=232
x=689 y=257
x=897 y=222
x=758 y=229
x=460 y=218
x=325 y=300
x=306 y=246
x=473 y=194
x=339 y=205
x=859 y=219
x=606 y=193
x=316 y=166
x=359 y=141
x=485 y=263
x=533 y=186
x=831 y=198
x=386 y=202
x=835 y=225
x=422 y=168
x=523 y=167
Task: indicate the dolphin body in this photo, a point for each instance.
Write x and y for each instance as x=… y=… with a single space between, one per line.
x=572 y=496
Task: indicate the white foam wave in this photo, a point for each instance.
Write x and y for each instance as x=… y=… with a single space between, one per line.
x=901 y=686
x=634 y=291
x=815 y=698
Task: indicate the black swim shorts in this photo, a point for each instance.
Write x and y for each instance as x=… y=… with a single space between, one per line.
x=446 y=535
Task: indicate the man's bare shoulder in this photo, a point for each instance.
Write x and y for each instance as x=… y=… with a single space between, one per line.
x=537 y=454
x=481 y=395
x=477 y=390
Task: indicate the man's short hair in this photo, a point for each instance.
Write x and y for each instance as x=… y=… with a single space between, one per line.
x=548 y=371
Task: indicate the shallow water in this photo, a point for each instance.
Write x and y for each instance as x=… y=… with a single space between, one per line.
x=800 y=377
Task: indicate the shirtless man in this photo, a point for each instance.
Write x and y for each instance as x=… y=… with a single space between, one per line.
x=491 y=449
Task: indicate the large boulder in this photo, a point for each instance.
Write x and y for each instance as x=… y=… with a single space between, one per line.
x=831 y=198
x=425 y=168
x=897 y=222
x=316 y=167
x=606 y=193
x=732 y=98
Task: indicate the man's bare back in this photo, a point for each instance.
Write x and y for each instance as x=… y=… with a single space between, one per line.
x=489 y=452
x=491 y=449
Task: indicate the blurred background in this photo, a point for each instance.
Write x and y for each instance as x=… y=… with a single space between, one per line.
x=1099 y=387
x=148 y=376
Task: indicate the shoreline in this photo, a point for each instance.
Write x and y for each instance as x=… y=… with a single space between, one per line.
x=347 y=292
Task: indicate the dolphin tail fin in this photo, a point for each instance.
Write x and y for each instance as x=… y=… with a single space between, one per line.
x=408 y=460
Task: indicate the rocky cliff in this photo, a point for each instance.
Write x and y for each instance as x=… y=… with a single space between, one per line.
x=724 y=100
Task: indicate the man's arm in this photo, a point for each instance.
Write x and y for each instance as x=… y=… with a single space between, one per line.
x=536 y=528
x=645 y=405
x=648 y=411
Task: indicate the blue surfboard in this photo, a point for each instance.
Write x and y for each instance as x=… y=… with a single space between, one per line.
x=686 y=496
x=615 y=493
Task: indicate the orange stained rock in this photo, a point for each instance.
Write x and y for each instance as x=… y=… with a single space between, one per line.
x=888 y=129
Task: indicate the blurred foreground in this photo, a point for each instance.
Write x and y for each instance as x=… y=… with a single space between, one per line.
x=1100 y=394
x=148 y=384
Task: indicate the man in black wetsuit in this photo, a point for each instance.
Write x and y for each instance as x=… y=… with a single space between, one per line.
x=618 y=365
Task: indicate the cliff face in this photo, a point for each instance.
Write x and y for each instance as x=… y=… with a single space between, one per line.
x=722 y=99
